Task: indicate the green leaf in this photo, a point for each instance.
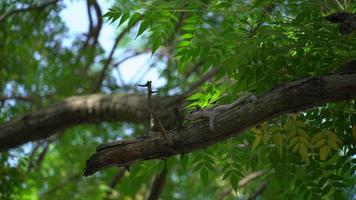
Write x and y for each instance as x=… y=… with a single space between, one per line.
x=278 y=141
x=335 y=177
x=133 y=19
x=189 y=27
x=204 y=175
x=345 y=168
x=183 y=44
x=303 y=151
x=184 y=160
x=196 y=96
x=324 y=152
x=144 y=26
x=124 y=17
x=156 y=44
x=257 y=140
x=186 y=36
x=340 y=184
x=234 y=181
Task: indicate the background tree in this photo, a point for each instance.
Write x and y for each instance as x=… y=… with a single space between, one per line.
x=62 y=107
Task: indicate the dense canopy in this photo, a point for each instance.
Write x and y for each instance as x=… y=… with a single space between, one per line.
x=251 y=99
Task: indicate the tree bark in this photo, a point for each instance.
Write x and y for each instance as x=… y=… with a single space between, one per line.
x=292 y=97
x=80 y=110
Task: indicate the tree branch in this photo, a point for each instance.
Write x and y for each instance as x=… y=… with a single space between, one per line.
x=108 y=61
x=117 y=177
x=21 y=98
x=82 y=109
x=243 y=182
x=30 y=8
x=259 y=191
x=157 y=185
x=292 y=97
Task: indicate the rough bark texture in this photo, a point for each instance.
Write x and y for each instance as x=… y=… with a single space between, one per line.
x=82 y=109
x=292 y=97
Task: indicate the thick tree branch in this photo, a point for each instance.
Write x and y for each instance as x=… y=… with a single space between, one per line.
x=82 y=109
x=292 y=97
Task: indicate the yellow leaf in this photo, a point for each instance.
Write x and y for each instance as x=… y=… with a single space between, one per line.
x=289 y=124
x=292 y=133
x=266 y=138
x=334 y=137
x=319 y=143
x=303 y=151
x=257 y=131
x=274 y=129
x=332 y=144
x=300 y=124
x=317 y=137
x=294 y=115
x=296 y=147
x=278 y=141
x=264 y=125
x=293 y=141
x=305 y=142
x=256 y=141
x=324 y=152
x=302 y=133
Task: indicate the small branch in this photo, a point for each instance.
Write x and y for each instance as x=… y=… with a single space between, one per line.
x=92 y=35
x=108 y=61
x=89 y=16
x=32 y=155
x=30 y=8
x=250 y=177
x=45 y=146
x=204 y=79
x=134 y=54
x=139 y=78
x=200 y=82
x=259 y=191
x=114 y=181
x=117 y=65
x=41 y=156
x=20 y=98
x=157 y=185
x=75 y=110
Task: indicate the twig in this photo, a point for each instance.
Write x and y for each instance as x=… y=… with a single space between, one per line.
x=145 y=72
x=30 y=8
x=259 y=191
x=153 y=118
x=243 y=182
x=101 y=77
x=157 y=185
x=21 y=98
x=197 y=84
x=117 y=177
x=93 y=34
